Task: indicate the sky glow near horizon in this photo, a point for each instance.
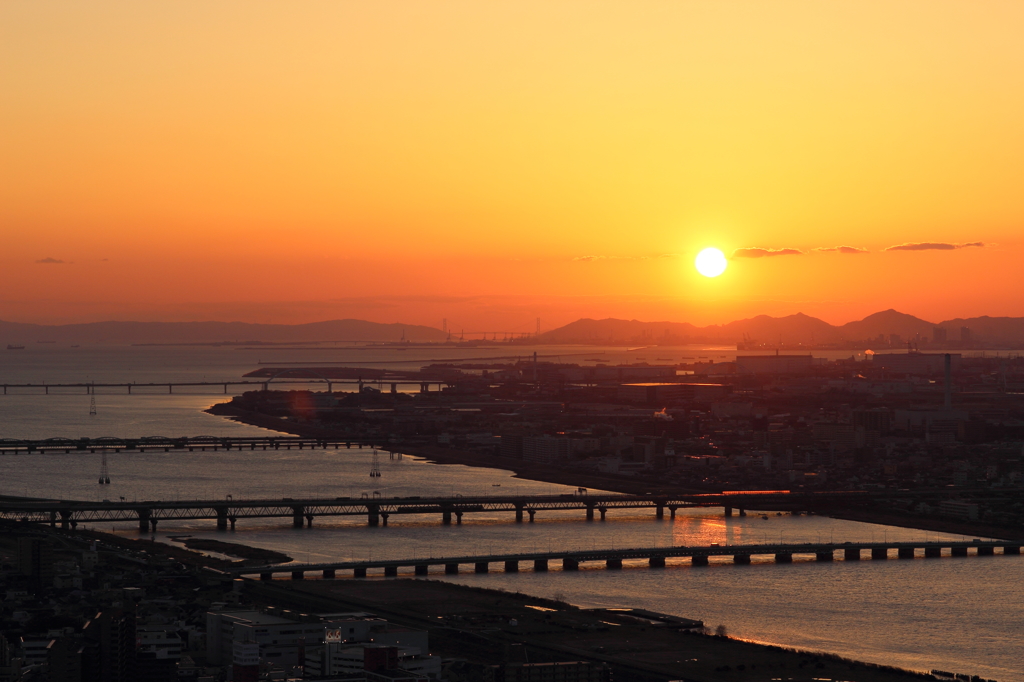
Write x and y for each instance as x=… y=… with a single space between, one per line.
x=489 y=162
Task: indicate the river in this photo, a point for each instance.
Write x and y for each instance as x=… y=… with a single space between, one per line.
x=964 y=615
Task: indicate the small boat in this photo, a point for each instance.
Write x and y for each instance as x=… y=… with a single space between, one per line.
x=495 y=485
x=764 y=517
x=11 y=346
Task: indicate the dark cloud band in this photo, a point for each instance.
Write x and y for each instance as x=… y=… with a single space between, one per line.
x=756 y=252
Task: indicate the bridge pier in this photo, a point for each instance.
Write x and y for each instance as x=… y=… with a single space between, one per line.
x=932 y=552
x=743 y=512
x=986 y=551
x=532 y=512
x=451 y=569
x=297 y=513
x=329 y=574
x=152 y=523
x=143 y=520
x=905 y=553
x=390 y=571
x=958 y=551
x=784 y=557
x=372 y=515
x=590 y=512
x=384 y=519
x=519 y=513
x=613 y=564
x=656 y=562
x=359 y=573
x=728 y=511
x=825 y=556
x=672 y=512
x=222 y=518
x=458 y=518
x=65 y=519
x=1011 y=549
x=603 y=510
x=743 y=559
x=699 y=560
x=446 y=518
x=53 y=519
x=540 y=565
x=481 y=567
x=569 y=564
x=659 y=511
x=309 y=521
x=511 y=566
x=266 y=577
x=421 y=569
x=298 y=575
x=851 y=554
x=878 y=553
x=232 y=520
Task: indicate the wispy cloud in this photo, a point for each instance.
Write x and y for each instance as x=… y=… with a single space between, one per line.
x=757 y=252
x=51 y=261
x=933 y=246
x=594 y=258
x=842 y=249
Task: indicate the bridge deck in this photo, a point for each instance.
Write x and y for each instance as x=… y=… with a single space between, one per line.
x=575 y=557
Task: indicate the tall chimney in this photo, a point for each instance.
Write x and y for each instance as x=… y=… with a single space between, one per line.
x=949 y=382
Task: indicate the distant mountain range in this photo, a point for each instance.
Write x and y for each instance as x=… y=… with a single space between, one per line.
x=16 y=333
x=791 y=330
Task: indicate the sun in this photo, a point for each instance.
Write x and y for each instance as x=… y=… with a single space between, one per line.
x=711 y=262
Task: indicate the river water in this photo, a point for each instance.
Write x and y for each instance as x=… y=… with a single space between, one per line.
x=965 y=615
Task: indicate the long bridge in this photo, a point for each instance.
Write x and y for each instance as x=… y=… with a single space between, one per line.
x=781 y=553
x=149 y=387
x=377 y=509
x=14 y=446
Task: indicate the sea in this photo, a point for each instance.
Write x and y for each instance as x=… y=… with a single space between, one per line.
x=955 y=614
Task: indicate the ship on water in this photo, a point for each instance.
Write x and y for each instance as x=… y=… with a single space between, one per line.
x=11 y=346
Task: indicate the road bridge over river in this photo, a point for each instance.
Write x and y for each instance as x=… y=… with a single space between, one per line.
x=655 y=557
x=378 y=509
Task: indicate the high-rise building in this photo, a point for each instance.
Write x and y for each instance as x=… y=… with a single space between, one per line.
x=35 y=560
x=10 y=665
x=113 y=632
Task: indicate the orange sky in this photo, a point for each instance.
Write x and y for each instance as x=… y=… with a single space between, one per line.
x=495 y=162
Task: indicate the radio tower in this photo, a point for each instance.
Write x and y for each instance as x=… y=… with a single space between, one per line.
x=375 y=469
x=104 y=473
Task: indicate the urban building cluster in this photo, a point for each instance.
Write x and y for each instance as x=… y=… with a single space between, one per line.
x=771 y=421
x=79 y=610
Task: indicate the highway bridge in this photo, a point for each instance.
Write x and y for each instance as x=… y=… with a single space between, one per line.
x=655 y=557
x=377 y=509
x=90 y=388
x=15 y=446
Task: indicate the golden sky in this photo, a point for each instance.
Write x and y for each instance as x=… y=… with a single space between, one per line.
x=493 y=162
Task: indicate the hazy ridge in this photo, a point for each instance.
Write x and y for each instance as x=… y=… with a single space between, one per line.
x=791 y=329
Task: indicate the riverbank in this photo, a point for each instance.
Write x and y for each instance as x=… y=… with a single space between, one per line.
x=484 y=626
x=188 y=555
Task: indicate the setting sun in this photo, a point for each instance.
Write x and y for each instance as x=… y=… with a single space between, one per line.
x=711 y=262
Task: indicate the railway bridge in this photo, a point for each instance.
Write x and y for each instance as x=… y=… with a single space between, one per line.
x=377 y=509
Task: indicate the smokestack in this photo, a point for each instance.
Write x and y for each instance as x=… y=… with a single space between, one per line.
x=949 y=382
